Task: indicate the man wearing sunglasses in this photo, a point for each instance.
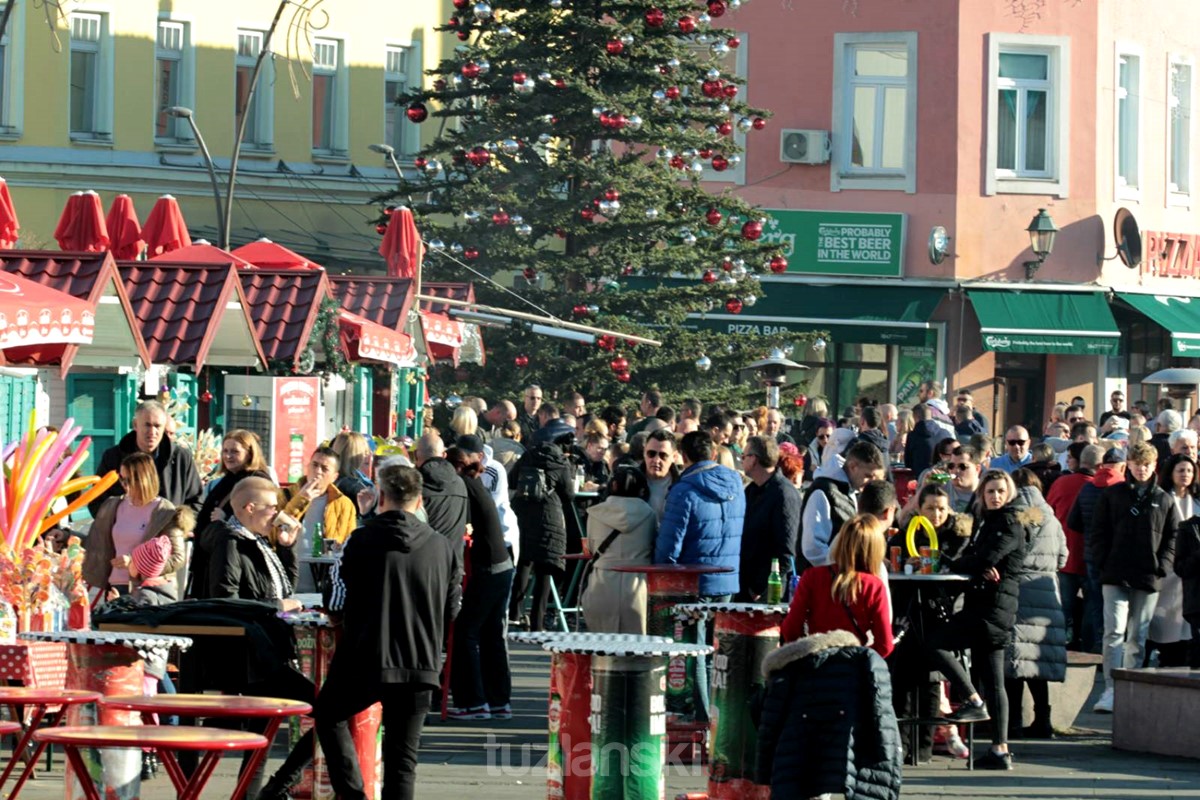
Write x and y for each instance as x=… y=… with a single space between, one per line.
x=660 y=468
x=1016 y=451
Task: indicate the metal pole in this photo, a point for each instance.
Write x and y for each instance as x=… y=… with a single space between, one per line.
x=212 y=174
x=558 y=323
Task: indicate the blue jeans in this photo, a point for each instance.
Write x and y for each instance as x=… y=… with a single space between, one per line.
x=1127 y=615
x=479 y=671
x=1074 y=591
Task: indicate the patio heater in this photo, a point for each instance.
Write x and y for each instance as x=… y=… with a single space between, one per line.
x=772 y=373
x=1178 y=383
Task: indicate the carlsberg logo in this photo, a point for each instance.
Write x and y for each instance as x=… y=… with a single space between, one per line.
x=1186 y=347
x=998 y=342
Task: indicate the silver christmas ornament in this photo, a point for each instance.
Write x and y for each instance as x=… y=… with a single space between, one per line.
x=749 y=300
x=544 y=76
x=484 y=66
x=734 y=5
x=703 y=20
x=697 y=167
x=491 y=147
x=703 y=363
x=687 y=237
x=658 y=96
x=689 y=152
x=544 y=138
x=453 y=401
x=673 y=63
x=713 y=74
x=819 y=345
x=633 y=122
x=651 y=213
x=703 y=38
x=744 y=124
x=596 y=112
x=738 y=271
x=523 y=229
x=556 y=3
x=516 y=219
x=719 y=48
x=434 y=401
x=456 y=248
x=728 y=280
x=664 y=154
x=504 y=31
x=723 y=108
x=437 y=244
x=457 y=80
x=433 y=167
x=470 y=216
x=483 y=11
x=525 y=87
x=627 y=39
x=510 y=147
x=734 y=160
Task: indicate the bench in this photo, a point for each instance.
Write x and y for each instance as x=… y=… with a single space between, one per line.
x=1155 y=711
x=1068 y=697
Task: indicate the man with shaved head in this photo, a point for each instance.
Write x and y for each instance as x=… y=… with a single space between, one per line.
x=442 y=490
x=1016 y=451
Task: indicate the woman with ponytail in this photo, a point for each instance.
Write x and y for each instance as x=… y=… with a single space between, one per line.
x=848 y=594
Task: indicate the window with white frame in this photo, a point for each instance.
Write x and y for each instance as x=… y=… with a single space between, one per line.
x=1028 y=98
x=401 y=71
x=1128 y=118
x=260 y=121
x=172 y=80
x=875 y=111
x=329 y=99
x=90 y=78
x=1179 y=129
x=12 y=83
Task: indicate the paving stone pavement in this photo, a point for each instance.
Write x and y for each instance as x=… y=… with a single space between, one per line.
x=497 y=760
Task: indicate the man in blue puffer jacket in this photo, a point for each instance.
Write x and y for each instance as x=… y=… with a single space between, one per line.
x=702 y=522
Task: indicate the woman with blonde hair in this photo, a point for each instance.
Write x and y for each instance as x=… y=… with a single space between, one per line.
x=1138 y=434
x=354 y=462
x=904 y=426
x=848 y=594
x=465 y=422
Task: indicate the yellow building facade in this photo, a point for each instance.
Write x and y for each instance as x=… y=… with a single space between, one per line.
x=84 y=99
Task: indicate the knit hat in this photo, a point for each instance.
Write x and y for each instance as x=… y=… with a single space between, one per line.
x=469 y=444
x=150 y=557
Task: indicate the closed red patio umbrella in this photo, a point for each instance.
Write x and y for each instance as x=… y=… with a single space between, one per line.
x=124 y=230
x=401 y=246
x=82 y=228
x=9 y=226
x=165 y=229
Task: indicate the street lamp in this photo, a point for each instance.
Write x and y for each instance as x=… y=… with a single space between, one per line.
x=1042 y=231
x=389 y=152
x=181 y=112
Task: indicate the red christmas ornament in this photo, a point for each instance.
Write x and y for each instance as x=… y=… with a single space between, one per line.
x=440 y=85
x=733 y=305
x=588 y=214
x=500 y=217
x=727 y=265
x=611 y=194
x=730 y=90
x=559 y=83
x=801 y=400
x=619 y=364
x=580 y=311
x=463 y=35
x=417 y=112
x=712 y=88
x=461 y=4
x=206 y=397
x=607 y=342
x=677 y=162
x=381 y=228
x=734 y=42
x=627 y=269
x=519 y=77
x=470 y=70
x=713 y=216
x=655 y=18
x=419 y=162
x=521 y=361
x=752 y=230
x=720 y=163
x=716 y=8
x=624 y=377
x=388 y=211
x=725 y=128
x=529 y=273
x=471 y=253
x=759 y=123
x=672 y=92
x=479 y=156
x=706 y=153
x=778 y=265
x=709 y=276
x=615 y=47
x=687 y=23
x=452 y=22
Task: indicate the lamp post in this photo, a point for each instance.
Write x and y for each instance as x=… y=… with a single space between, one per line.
x=1042 y=231
x=388 y=152
x=181 y=112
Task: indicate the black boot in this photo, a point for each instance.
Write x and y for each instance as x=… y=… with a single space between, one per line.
x=1041 y=727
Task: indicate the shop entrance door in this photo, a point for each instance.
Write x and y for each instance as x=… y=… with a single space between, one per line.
x=1020 y=389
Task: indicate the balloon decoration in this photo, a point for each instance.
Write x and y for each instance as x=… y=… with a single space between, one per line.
x=910 y=536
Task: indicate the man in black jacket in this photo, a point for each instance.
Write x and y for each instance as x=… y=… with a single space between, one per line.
x=401 y=583
x=1132 y=544
x=178 y=480
x=443 y=492
x=772 y=519
x=869 y=428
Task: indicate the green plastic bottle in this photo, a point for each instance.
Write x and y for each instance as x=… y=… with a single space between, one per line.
x=774 y=584
x=318 y=545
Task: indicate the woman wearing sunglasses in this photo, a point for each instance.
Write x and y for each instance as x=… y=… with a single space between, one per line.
x=814 y=455
x=123 y=523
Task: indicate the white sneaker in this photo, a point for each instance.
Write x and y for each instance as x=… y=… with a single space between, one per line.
x=955 y=745
x=1105 y=704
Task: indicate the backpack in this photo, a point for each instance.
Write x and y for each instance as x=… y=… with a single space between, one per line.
x=532 y=484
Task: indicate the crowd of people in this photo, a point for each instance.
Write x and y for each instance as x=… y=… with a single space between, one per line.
x=1087 y=539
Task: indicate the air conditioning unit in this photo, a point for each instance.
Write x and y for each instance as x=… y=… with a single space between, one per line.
x=803 y=147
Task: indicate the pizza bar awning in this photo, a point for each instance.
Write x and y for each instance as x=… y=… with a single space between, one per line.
x=1063 y=323
x=1179 y=315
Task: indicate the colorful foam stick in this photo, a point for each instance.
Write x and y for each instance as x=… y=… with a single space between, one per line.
x=85 y=498
x=917 y=523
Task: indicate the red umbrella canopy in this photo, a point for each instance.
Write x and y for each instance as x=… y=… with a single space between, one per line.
x=202 y=253
x=9 y=226
x=267 y=254
x=165 y=229
x=124 y=229
x=32 y=314
x=401 y=246
x=82 y=228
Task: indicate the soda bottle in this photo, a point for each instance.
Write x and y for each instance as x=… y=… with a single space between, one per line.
x=318 y=543
x=774 y=584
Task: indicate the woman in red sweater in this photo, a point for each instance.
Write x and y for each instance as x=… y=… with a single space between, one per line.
x=847 y=595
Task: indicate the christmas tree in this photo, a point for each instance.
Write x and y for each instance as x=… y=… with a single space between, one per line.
x=574 y=142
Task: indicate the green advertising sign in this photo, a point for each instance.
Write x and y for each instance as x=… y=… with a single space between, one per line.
x=915 y=364
x=838 y=242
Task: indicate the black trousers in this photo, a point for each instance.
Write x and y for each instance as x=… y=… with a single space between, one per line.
x=404 y=708
x=542 y=575
x=479 y=639
x=966 y=631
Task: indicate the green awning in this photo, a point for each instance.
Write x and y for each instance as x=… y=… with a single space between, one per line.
x=853 y=314
x=1179 y=315
x=1066 y=323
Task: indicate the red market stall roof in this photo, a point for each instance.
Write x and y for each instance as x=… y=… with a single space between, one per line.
x=452 y=291
x=364 y=339
x=447 y=336
x=385 y=301
x=267 y=254
x=91 y=277
x=33 y=314
x=283 y=306
x=192 y=313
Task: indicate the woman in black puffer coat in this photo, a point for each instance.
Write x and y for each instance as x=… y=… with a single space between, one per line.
x=543 y=486
x=827 y=725
x=993 y=559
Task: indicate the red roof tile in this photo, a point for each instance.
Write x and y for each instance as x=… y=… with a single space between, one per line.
x=382 y=300
x=453 y=291
x=283 y=305
x=180 y=306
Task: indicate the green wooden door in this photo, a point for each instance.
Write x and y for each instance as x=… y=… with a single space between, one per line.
x=183 y=388
x=102 y=405
x=364 y=388
x=18 y=397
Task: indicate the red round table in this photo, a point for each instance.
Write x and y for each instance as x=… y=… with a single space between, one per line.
x=209 y=706
x=40 y=700
x=166 y=739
